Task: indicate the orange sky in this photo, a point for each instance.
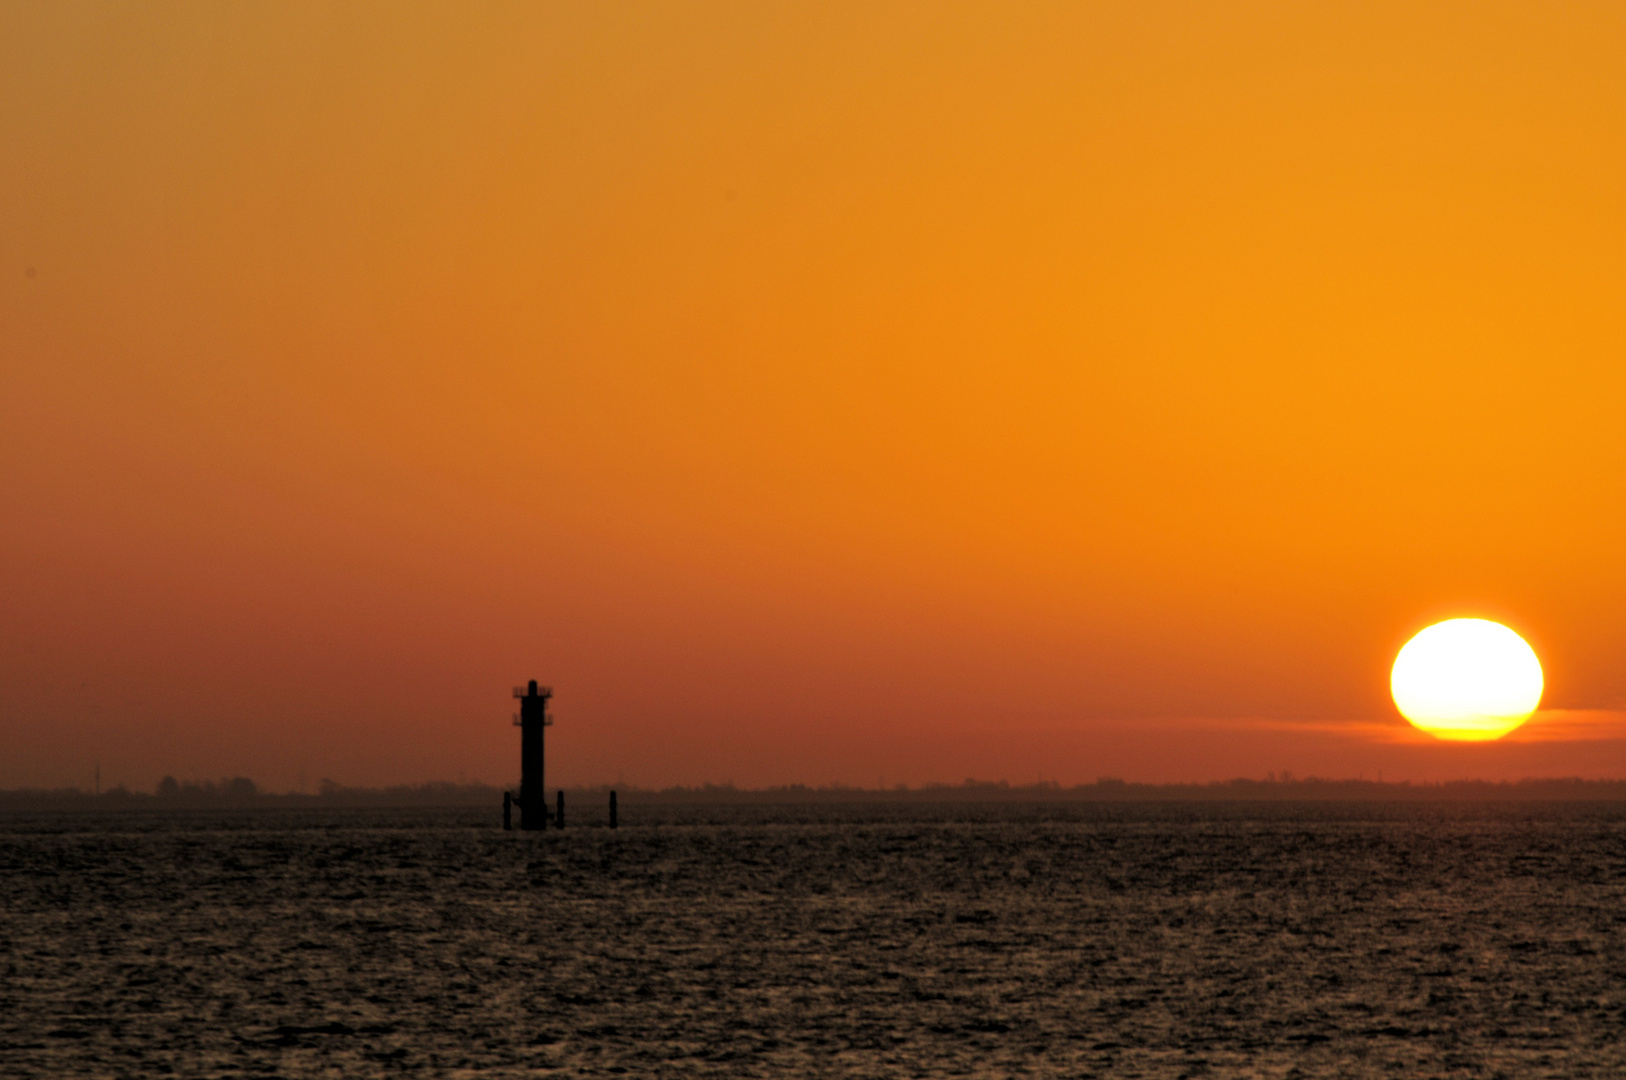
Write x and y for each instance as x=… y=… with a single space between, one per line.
x=809 y=393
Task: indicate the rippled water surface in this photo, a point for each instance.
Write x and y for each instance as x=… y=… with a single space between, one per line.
x=1228 y=940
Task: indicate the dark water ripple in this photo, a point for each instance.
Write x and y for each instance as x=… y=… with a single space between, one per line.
x=1076 y=941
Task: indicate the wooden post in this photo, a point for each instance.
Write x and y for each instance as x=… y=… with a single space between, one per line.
x=507 y=811
x=612 y=809
x=559 y=814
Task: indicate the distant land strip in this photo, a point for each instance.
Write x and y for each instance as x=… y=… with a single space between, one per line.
x=240 y=792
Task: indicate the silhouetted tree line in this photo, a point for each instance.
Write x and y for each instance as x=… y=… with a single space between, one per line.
x=1285 y=788
x=237 y=789
x=240 y=791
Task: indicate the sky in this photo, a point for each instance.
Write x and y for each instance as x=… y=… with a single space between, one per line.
x=862 y=393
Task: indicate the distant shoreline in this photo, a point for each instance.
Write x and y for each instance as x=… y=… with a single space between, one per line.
x=244 y=795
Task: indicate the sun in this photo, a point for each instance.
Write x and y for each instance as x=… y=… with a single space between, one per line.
x=1468 y=679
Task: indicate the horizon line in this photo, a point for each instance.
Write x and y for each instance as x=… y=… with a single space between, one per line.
x=243 y=791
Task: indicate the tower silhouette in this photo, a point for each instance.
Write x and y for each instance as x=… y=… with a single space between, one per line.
x=532 y=719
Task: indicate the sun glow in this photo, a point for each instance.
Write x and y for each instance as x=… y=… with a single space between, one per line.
x=1468 y=679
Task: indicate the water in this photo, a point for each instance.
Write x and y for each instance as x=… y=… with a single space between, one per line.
x=1157 y=941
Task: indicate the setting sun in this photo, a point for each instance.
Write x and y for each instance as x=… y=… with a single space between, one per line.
x=1467 y=679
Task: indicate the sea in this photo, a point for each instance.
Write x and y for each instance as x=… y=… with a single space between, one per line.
x=1047 y=940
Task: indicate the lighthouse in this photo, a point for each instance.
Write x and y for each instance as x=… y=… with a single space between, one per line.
x=532 y=719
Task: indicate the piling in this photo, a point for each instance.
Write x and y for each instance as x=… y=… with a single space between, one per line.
x=507 y=811
x=559 y=814
x=612 y=809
